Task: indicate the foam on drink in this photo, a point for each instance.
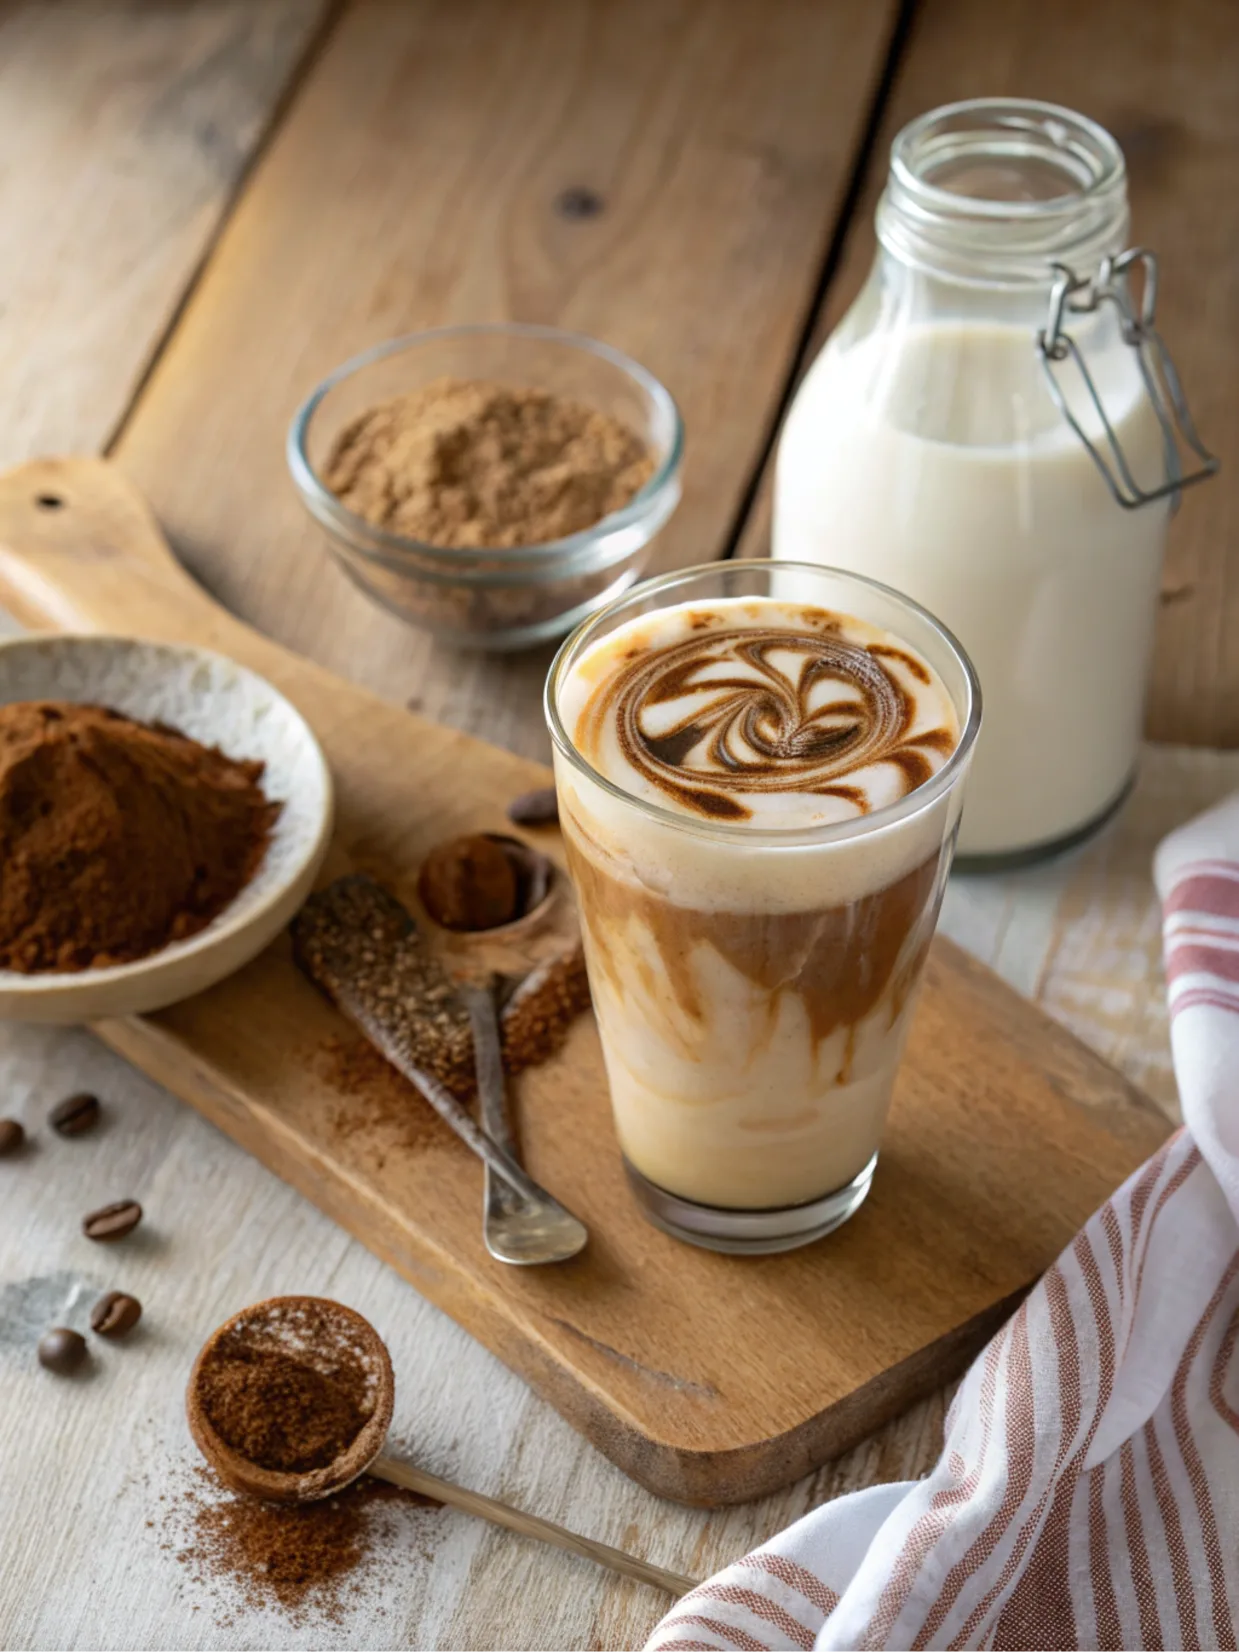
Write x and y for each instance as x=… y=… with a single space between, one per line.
x=758 y=712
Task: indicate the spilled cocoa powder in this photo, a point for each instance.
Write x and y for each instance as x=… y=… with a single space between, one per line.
x=311 y=1561
x=375 y=1100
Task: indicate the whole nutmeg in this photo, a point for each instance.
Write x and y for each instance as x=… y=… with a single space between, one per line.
x=469 y=883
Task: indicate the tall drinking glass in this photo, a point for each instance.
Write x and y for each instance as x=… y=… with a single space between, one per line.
x=760 y=770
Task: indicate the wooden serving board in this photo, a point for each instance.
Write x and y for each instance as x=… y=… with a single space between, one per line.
x=710 y=1379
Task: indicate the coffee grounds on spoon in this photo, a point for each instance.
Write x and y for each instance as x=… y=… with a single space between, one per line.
x=280 y=1413
x=288 y=1404
x=288 y=1386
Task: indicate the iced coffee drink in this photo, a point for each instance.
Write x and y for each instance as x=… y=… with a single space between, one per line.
x=759 y=774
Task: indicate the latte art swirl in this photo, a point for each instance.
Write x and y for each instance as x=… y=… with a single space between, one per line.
x=726 y=713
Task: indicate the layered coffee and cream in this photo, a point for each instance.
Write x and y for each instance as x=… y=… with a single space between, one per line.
x=757 y=886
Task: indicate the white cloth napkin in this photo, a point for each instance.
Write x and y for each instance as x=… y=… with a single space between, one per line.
x=1088 y=1491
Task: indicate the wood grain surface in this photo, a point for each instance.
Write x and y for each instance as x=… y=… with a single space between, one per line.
x=96 y=246
x=1003 y=1137
x=124 y=130
x=1162 y=79
x=419 y=180
x=83 y=1464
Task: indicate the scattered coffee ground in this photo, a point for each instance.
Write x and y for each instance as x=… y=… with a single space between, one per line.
x=376 y=1101
x=379 y=1103
x=311 y=1561
x=361 y=947
x=75 y=1115
x=536 y=808
x=113 y=1222
x=115 y=1314
x=116 y=837
x=288 y=1393
x=62 y=1350
x=12 y=1137
x=469 y=465
x=537 y=1017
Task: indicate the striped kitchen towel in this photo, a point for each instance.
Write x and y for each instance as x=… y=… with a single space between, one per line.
x=1088 y=1491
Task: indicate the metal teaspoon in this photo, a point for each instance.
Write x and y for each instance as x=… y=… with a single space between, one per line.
x=514 y=1230
x=540 y=1230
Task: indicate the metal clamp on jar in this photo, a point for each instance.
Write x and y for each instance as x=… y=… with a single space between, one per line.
x=997 y=430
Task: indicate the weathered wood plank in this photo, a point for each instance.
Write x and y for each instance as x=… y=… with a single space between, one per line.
x=415 y=182
x=1162 y=79
x=124 y=130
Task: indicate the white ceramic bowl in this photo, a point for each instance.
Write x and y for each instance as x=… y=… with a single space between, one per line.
x=220 y=704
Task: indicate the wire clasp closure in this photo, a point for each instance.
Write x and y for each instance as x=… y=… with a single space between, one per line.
x=1081 y=295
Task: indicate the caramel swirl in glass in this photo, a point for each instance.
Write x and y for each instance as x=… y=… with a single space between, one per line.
x=733 y=710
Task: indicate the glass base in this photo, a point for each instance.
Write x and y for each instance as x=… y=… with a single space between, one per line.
x=1012 y=860
x=750 y=1232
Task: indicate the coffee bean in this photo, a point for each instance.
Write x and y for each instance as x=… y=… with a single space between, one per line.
x=115 y=1314
x=11 y=1137
x=62 y=1350
x=538 y=808
x=75 y=1115
x=113 y=1221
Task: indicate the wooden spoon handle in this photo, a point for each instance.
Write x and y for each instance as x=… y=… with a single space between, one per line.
x=400 y=1473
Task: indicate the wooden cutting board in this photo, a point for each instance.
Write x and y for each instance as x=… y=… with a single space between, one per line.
x=709 y=1379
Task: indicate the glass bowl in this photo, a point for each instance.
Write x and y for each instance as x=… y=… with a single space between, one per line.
x=492 y=599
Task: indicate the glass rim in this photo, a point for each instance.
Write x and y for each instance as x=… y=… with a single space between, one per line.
x=788 y=837
x=327 y=507
x=1016 y=115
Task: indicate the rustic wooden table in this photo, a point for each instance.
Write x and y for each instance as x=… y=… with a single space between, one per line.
x=208 y=206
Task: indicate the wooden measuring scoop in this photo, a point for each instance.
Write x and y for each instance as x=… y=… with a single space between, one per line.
x=336 y=1344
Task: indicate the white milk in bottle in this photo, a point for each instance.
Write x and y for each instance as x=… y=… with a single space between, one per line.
x=926 y=448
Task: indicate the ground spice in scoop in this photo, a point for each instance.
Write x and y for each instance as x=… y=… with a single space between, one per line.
x=116 y=837
x=276 y=1405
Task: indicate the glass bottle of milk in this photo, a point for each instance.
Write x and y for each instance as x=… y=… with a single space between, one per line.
x=948 y=442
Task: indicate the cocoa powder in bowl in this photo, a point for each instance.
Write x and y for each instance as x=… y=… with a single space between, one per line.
x=117 y=837
x=292 y=1398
